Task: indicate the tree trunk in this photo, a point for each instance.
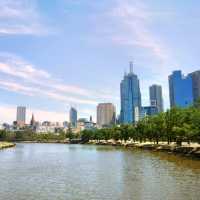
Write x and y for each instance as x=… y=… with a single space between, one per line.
x=179 y=142
x=157 y=141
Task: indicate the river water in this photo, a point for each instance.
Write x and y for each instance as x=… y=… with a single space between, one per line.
x=83 y=172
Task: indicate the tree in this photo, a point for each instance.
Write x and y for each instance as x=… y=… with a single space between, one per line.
x=3 y=134
x=171 y=120
x=158 y=127
x=132 y=132
x=116 y=133
x=124 y=132
x=69 y=133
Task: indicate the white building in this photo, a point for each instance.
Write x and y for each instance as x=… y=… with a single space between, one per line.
x=48 y=127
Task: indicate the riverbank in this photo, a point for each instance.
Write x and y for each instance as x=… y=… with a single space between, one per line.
x=189 y=150
x=4 y=145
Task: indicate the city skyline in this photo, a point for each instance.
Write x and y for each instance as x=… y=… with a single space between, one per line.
x=49 y=61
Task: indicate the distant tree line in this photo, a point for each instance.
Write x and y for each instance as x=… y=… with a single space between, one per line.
x=30 y=135
x=174 y=125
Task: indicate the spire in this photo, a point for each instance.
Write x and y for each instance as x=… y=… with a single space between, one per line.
x=131 y=67
x=32 y=120
x=125 y=73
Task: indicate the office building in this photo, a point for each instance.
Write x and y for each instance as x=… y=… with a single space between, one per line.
x=106 y=115
x=130 y=97
x=73 y=117
x=21 y=116
x=150 y=110
x=180 y=90
x=196 y=84
x=156 y=98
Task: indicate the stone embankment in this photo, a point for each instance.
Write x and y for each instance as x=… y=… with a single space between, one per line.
x=190 y=150
x=4 y=145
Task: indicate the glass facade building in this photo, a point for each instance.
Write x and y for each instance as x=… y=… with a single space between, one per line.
x=180 y=90
x=156 y=98
x=130 y=97
x=196 y=84
x=150 y=110
x=73 y=117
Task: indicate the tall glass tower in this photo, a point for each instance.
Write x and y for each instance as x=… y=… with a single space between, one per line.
x=180 y=90
x=130 y=97
x=73 y=117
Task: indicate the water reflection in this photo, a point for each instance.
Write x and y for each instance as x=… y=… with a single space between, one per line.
x=80 y=172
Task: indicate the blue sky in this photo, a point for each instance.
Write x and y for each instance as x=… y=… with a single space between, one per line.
x=57 y=54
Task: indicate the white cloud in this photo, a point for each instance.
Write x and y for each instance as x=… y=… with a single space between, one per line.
x=132 y=20
x=15 y=87
x=24 y=78
x=20 y=17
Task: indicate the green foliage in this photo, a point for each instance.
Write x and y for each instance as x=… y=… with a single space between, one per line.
x=69 y=133
x=175 y=125
x=29 y=135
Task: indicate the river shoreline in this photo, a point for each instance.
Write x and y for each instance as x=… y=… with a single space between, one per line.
x=186 y=150
x=44 y=142
x=5 y=145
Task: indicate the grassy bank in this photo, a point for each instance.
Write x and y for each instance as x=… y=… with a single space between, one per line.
x=4 y=145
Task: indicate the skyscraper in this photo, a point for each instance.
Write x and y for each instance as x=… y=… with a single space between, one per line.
x=73 y=117
x=106 y=115
x=21 y=115
x=180 y=90
x=156 y=98
x=196 y=84
x=130 y=97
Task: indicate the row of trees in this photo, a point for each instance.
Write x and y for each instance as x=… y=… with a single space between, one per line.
x=175 y=125
x=29 y=135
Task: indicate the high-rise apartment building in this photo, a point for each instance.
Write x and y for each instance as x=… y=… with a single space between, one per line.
x=21 y=115
x=130 y=97
x=106 y=115
x=156 y=98
x=73 y=117
x=180 y=90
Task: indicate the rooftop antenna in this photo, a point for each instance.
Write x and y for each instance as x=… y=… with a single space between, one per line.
x=125 y=72
x=131 y=67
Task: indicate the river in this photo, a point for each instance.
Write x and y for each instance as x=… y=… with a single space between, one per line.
x=86 y=172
